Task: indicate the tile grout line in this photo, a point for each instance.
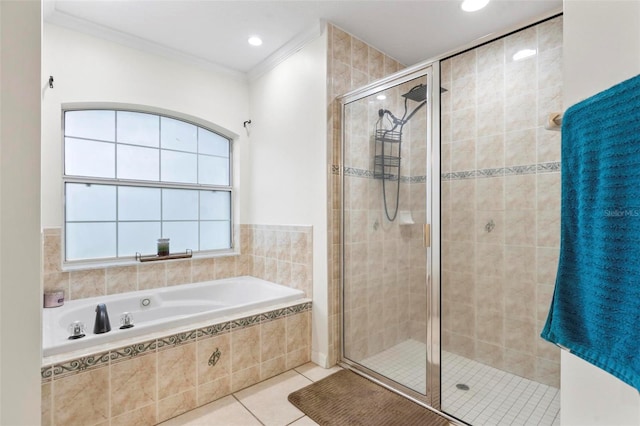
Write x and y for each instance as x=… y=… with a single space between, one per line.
x=299 y=418
x=487 y=408
x=247 y=408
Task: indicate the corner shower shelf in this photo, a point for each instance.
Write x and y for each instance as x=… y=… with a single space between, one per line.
x=386 y=165
x=153 y=257
x=388 y=136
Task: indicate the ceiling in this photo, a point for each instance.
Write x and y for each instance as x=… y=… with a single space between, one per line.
x=216 y=32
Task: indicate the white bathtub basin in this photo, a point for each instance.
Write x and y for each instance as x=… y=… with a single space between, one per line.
x=159 y=309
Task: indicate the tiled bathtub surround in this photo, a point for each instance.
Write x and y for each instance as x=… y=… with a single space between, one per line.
x=501 y=202
x=152 y=381
x=351 y=63
x=281 y=254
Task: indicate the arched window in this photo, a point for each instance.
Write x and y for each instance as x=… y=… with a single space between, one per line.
x=133 y=177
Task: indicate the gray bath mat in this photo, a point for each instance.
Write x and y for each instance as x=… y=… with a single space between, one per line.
x=345 y=398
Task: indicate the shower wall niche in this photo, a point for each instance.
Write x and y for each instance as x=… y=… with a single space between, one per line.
x=500 y=190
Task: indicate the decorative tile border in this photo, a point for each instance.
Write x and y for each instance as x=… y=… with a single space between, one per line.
x=352 y=171
x=46 y=374
x=102 y=359
x=297 y=309
x=368 y=174
x=176 y=340
x=465 y=174
x=549 y=167
x=417 y=179
x=273 y=315
x=78 y=365
x=503 y=171
x=213 y=330
x=131 y=351
x=245 y=322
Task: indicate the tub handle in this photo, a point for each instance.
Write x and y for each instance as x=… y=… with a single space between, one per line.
x=126 y=320
x=215 y=357
x=76 y=330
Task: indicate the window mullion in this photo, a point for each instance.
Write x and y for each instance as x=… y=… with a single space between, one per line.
x=160 y=177
x=198 y=180
x=143 y=183
x=159 y=150
x=161 y=213
x=133 y=233
x=117 y=188
x=117 y=222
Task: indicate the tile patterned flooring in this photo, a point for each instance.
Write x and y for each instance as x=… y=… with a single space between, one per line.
x=262 y=404
x=405 y=363
x=495 y=397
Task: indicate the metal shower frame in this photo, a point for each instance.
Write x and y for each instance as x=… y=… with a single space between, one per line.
x=431 y=67
x=431 y=72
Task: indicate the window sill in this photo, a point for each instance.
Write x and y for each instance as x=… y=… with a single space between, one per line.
x=81 y=266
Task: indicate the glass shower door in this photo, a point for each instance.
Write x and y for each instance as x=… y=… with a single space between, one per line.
x=500 y=213
x=384 y=215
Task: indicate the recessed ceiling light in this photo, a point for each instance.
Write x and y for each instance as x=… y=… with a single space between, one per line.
x=381 y=97
x=524 y=53
x=473 y=5
x=255 y=41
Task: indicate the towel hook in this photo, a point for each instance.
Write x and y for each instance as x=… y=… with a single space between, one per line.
x=51 y=81
x=245 y=123
x=554 y=121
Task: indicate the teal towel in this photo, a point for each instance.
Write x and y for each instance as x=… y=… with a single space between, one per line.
x=595 y=311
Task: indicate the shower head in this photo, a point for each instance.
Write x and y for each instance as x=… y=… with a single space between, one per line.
x=418 y=93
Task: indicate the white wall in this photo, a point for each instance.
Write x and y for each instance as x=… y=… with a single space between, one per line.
x=281 y=169
x=88 y=69
x=288 y=162
x=601 y=48
x=20 y=288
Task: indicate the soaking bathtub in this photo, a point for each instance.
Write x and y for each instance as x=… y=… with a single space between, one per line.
x=159 y=310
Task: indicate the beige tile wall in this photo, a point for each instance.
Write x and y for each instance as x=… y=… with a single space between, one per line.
x=150 y=382
x=351 y=63
x=497 y=286
x=281 y=254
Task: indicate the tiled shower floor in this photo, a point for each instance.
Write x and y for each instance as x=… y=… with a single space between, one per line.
x=495 y=397
x=404 y=363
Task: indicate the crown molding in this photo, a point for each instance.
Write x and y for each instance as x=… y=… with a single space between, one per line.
x=287 y=50
x=71 y=22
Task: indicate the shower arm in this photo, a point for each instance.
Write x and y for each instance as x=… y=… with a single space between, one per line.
x=423 y=103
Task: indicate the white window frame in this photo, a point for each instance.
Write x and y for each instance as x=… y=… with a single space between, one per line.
x=130 y=260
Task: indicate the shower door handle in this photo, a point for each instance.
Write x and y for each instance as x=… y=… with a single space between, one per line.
x=426 y=232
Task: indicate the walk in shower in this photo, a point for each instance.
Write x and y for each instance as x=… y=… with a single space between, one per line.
x=385 y=213
x=450 y=229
